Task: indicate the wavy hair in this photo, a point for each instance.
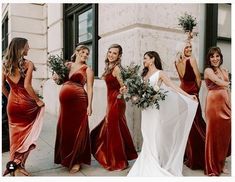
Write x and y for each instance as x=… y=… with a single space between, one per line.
x=108 y=69
x=79 y=48
x=157 y=62
x=14 y=57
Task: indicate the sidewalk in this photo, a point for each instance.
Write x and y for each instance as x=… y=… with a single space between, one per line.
x=40 y=161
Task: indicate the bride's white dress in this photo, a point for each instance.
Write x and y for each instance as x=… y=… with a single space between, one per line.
x=165 y=133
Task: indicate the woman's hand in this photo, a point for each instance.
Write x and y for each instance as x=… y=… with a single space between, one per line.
x=40 y=103
x=89 y=111
x=68 y=65
x=123 y=89
x=55 y=77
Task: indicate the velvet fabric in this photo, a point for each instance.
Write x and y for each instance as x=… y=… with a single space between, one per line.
x=72 y=144
x=195 y=149
x=218 y=133
x=25 y=122
x=111 y=142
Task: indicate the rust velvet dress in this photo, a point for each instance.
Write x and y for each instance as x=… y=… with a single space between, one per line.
x=218 y=134
x=25 y=122
x=111 y=142
x=72 y=139
x=195 y=149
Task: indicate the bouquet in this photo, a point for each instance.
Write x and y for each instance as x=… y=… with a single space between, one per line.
x=187 y=22
x=140 y=92
x=57 y=64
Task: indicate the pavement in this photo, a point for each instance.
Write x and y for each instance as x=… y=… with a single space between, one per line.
x=40 y=161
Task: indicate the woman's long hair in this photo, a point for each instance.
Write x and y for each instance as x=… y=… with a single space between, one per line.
x=108 y=69
x=212 y=51
x=14 y=57
x=157 y=62
x=78 y=48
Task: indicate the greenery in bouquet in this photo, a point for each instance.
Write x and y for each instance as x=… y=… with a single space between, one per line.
x=139 y=92
x=187 y=22
x=57 y=64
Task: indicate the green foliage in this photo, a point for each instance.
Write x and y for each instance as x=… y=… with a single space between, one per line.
x=139 y=92
x=187 y=22
x=57 y=64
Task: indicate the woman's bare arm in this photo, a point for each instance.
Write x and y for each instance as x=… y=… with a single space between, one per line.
x=169 y=83
x=210 y=74
x=90 y=82
x=4 y=89
x=28 y=83
x=196 y=72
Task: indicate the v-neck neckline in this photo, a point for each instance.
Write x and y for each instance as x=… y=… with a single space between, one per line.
x=76 y=71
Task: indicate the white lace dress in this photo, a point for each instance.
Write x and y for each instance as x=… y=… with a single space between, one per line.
x=165 y=133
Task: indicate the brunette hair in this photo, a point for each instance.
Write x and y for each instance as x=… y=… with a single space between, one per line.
x=14 y=57
x=107 y=68
x=157 y=62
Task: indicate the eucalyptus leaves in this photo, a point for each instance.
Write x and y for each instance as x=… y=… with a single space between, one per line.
x=139 y=92
x=187 y=22
x=57 y=64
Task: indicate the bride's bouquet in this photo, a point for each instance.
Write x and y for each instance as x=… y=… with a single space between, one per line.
x=57 y=64
x=140 y=92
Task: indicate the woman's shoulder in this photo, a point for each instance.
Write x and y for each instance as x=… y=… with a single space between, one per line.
x=88 y=68
x=116 y=69
x=28 y=64
x=161 y=72
x=208 y=71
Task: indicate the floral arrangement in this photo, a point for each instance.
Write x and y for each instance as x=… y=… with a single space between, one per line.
x=57 y=64
x=139 y=92
x=187 y=22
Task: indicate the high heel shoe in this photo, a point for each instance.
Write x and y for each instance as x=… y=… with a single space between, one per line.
x=10 y=168
x=75 y=168
x=21 y=172
x=15 y=170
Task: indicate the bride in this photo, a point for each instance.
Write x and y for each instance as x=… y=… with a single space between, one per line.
x=165 y=131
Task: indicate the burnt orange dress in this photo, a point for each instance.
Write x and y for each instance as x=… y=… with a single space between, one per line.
x=72 y=144
x=111 y=142
x=195 y=148
x=218 y=133
x=25 y=122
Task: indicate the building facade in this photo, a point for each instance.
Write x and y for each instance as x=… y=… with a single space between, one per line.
x=58 y=28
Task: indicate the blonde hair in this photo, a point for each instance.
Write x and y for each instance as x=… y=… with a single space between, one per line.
x=78 y=48
x=107 y=68
x=14 y=57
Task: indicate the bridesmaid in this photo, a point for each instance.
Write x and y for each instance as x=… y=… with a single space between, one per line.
x=189 y=75
x=72 y=146
x=111 y=141
x=24 y=108
x=218 y=114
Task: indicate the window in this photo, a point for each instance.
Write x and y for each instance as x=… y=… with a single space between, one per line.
x=4 y=34
x=218 y=30
x=81 y=27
